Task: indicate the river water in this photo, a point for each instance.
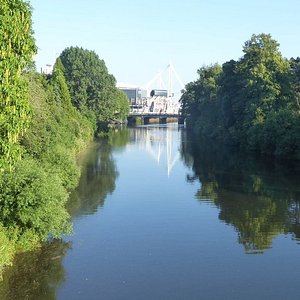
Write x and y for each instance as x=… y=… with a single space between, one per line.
x=160 y=216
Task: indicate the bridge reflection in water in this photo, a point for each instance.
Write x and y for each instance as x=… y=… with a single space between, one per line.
x=160 y=142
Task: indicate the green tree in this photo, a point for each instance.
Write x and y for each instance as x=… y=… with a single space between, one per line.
x=60 y=92
x=17 y=47
x=266 y=78
x=230 y=102
x=295 y=68
x=91 y=86
x=199 y=100
x=252 y=103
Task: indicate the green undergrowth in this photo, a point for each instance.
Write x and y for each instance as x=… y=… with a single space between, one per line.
x=45 y=120
x=34 y=194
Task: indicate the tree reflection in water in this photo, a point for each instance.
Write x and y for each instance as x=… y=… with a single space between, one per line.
x=98 y=174
x=259 y=198
x=38 y=274
x=35 y=274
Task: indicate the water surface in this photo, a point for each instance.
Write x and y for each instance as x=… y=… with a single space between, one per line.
x=160 y=216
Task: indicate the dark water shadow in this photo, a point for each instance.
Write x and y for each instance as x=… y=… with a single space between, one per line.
x=35 y=274
x=98 y=174
x=258 y=196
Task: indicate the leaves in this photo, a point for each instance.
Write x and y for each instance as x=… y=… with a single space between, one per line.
x=247 y=102
x=92 y=87
x=17 y=47
x=32 y=200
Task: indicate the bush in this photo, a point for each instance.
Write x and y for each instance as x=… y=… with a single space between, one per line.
x=7 y=249
x=32 y=202
x=61 y=161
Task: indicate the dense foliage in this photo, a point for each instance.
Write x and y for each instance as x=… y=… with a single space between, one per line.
x=17 y=48
x=92 y=89
x=44 y=123
x=34 y=193
x=252 y=103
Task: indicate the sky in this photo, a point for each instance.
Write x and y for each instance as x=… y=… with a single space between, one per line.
x=138 y=38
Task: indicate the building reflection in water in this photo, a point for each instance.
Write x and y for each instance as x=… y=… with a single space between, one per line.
x=160 y=142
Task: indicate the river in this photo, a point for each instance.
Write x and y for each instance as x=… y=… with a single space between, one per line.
x=159 y=216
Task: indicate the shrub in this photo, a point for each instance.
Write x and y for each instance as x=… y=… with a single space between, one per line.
x=32 y=202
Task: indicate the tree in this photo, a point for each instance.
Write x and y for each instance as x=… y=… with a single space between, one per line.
x=199 y=100
x=266 y=78
x=267 y=90
x=60 y=92
x=17 y=47
x=230 y=101
x=295 y=69
x=252 y=103
x=91 y=86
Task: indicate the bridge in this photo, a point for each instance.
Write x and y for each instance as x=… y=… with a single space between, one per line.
x=162 y=103
x=145 y=117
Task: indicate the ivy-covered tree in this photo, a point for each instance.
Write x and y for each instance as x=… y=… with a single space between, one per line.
x=17 y=47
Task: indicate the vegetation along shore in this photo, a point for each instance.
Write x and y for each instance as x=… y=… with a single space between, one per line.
x=45 y=120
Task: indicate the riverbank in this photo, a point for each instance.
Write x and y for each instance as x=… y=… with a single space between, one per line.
x=34 y=193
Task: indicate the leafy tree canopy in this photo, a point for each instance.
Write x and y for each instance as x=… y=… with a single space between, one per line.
x=252 y=103
x=91 y=86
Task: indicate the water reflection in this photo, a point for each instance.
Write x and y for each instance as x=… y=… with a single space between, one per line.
x=259 y=198
x=36 y=274
x=98 y=174
x=163 y=240
x=160 y=142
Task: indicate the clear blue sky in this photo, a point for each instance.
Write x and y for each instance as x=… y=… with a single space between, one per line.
x=138 y=38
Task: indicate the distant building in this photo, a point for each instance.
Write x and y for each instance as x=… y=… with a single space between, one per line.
x=47 y=69
x=163 y=93
x=134 y=94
